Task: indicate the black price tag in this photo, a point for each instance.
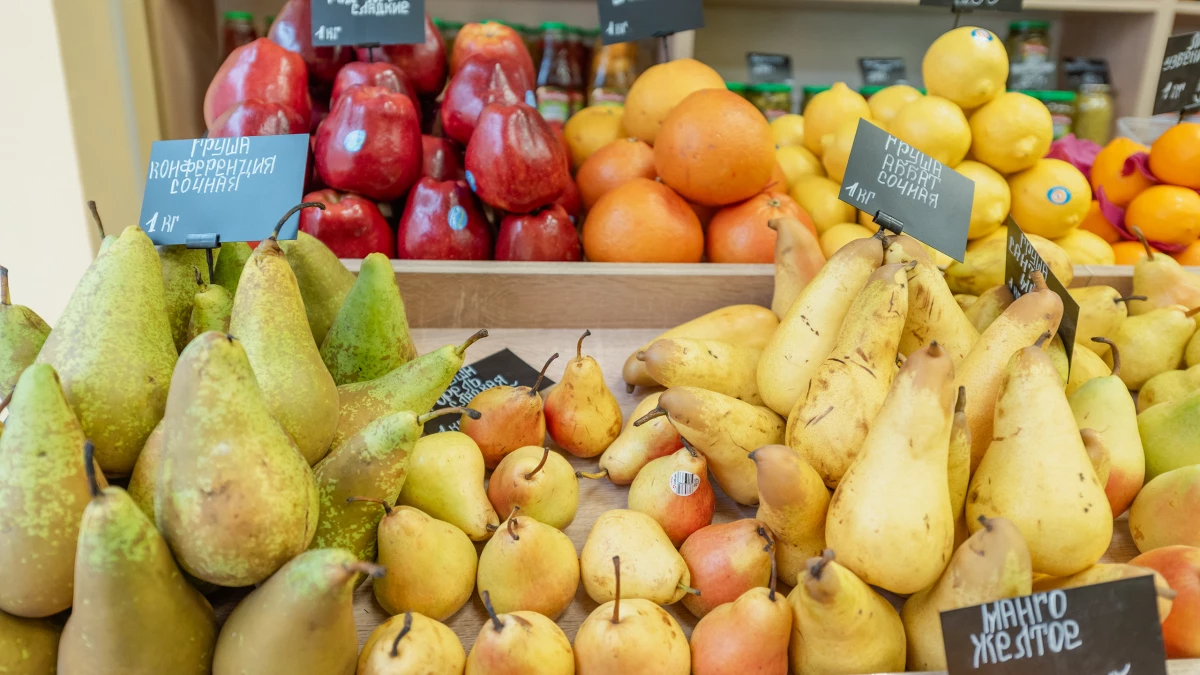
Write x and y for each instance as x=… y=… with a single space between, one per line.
x=629 y=20
x=1020 y=262
x=769 y=68
x=1106 y=629
x=883 y=72
x=365 y=22
x=1081 y=71
x=1179 y=81
x=503 y=368
x=237 y=188
x=971 y=5
x=931 y=200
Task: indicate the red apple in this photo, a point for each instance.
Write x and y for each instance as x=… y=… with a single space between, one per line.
x=312 y=181
x=370 y=144
x=442 y=221
x=380 y=74
x=548 y=234
x=1180 y=565
x=320 y=110
x=495 y=41
x=570 y=200
x=513 y=161
x=257 y=118
x=443 y=159
x=478 y=82
x=424 y=64
x=262 y=70
x=292 y=30
x=351 y=226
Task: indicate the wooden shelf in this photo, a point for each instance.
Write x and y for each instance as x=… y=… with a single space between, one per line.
x=1189 y=7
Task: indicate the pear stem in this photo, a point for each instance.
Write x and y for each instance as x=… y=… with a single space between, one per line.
x=1116 y=369
x=579 y=345
x=1167 y=593
x=479 y=335
x=688 y=446
x=545 y=456
x=617 y=596
x=629 y=388
x=362 y=567
x=688 y=589
x=603 y=473
x=538 y=382
x=487 y=604
x=960 y=404
x=934 y=349
x=89 y=468
x=986 y=523
x=96 y=217
x=291 y=212
x=199 y=279
x=1137 y=232
x=5 y=298
x=816 y=566
x=657 y=412
x=403 y=631
x=770 y=549
x=512 y=523
x=469 y=412
x=1043 y=338
x=387 y=508
x=1127 y=298
x=1039 y=281
x=7 y=399
x=1192 y=312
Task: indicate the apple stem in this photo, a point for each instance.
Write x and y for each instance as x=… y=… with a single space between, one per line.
x=403 y=631
x=1116 y=369
x=1137 y=232
x=1127 y=298
x=986 y=523
x=617 y=596
x=770 y=549
x=469 y=412
x=545 y=456
x=5 y=298
x=89 y=468
x=387 y=508
x=960 y=404
x=579 y=345
x=538 y=382
x=487 y=604
x=688 y=447
x=1039 y=281
x=1043 y=338
x=479 y=335
x=816 y=566
x=658 y=411
x=688 y=589
x=362 y=567
x=603 y=473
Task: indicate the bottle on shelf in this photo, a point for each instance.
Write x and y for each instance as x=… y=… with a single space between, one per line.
x=614 y=68
x=556 y=79
x=237 y=29
x=1030 y=65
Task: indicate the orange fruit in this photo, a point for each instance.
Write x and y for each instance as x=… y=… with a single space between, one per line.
x=658 y=90
x=1166 y=213
x=642 y=221
x=739 y=233
x=1106 y=172
x=612 y=166
x=1128 y=252
x=1097 y=224
x=1175 y=156
x=778 y=181
x=1190 y=256
x=591 y=129
x=704 y=213
x=715 y=148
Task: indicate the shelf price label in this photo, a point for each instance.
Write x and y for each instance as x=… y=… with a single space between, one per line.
x=233 y=187
x=1020 y=261
x=878 y=72
x=931 y=200
x=504 y=368
x=1105 y=629
x=971 y=5
x=629 y=20
x=772 y=68
x=1179 y=80
x=367 y=22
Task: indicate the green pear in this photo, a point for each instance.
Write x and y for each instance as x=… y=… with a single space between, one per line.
x=369 y=338
x=43 y=491
x=235 y=498
x=212 y=307
x=1169 y=386
x=134 y=612
x=932 y=315
x=654 y=569
x=113 y=351
x=1102 y=310
x=300 y=622
x=412 y=644
x=529 y=566
x=268 y=318
x=22 y=333
x=1191 y=353
x=415 y=386
x=989 y=306
x=230 y=263
x=519 y=642
x=1171 y=435
x=431 y=563
x=143 y=482
x=794 y=503
x=445 y=480
x=324 y=281
x=180 y=268
x=1153 y=343
x=539 y=481
x=29 y=647
x=993 y=564
x=372 y=464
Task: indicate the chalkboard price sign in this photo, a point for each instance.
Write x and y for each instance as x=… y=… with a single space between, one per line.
x=1179 y=80
x=503 y=368
x=883 y=72
x=971 y=5
x=233 y=187
x=629 y=20
x=367 y=22
x=1021 y=261
x=775 y=68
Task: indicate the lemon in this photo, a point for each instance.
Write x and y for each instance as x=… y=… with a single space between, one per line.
x=936 y=127
x=1011 y=132
x=888 y=101
x=1050 y=198
x=827 y=110
x=999 y=233
x=1086 y=248
x=992 y=198
x=591 y=129
x=819 y=196
x=967 y=65
x=837 y=148
x=796 y=162
x=841 y=234
x=788 y=130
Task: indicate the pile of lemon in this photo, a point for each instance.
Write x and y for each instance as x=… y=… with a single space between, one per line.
x=967 y=121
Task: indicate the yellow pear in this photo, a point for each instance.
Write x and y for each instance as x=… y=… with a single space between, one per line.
x=959 y=464
x=529 y=566
x=1104 y=572
x=933 y=313
x=989 y=306
x=638 y=445
x=445 y=480
x=1085 y=367
x=654 y=570
x=582 y=415
x=515 y=643
x=1153 y=343
x=798 y=258
x=745 y=325
x=412 y=644
x=431 y=564
x=718 y=366
x=1168 y=387
x=1102 y=309
x=1162 y=281
x=793 y=503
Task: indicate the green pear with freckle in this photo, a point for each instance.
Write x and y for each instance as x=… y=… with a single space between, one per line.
x=227 y=271
x=324 y=281
x=212 y=306
x=143 y=481
x=369 y=338
x=180 y=266
x=22 y=333
x=445 y=480
x=29 y=647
